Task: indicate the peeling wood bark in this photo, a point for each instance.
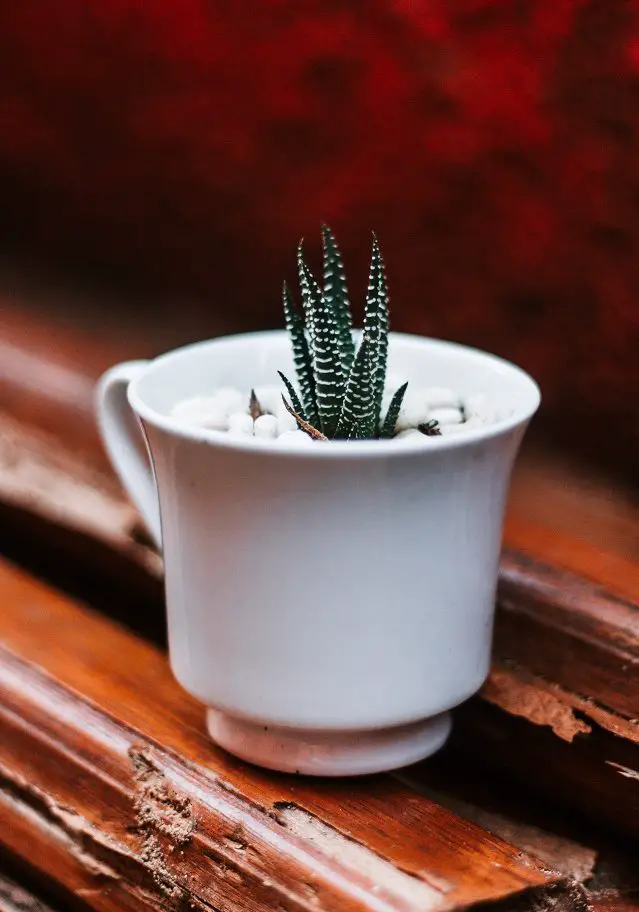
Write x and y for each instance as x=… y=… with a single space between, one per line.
x=108 y=781
x=541 y=702
x=537 y=702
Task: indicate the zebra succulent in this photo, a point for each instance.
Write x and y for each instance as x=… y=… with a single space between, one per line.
x=340 y=388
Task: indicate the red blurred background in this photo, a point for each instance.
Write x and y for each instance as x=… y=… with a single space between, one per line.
x=185 y=145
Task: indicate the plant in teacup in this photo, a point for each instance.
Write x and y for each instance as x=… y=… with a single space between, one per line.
x=343 y=390
x=300 y=520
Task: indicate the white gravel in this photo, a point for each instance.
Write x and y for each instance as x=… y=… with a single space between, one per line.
x=266 y=427
x=227 y=409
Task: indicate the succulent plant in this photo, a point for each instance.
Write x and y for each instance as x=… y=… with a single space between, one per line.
x=340 y=388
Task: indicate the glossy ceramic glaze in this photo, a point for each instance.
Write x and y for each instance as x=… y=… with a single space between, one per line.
x=333 y=598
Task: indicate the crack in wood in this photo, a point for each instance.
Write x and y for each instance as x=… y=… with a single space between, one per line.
x=405 y=885
x=91 y=849
x=160 y=811
x=99 y=855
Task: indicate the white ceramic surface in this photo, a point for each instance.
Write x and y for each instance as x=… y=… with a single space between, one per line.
x=326 y=602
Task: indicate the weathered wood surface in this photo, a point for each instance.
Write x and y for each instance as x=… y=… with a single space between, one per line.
x=109 y=785
x=565 y=679
x=566 y=672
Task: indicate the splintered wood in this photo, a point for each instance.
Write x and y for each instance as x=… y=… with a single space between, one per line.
x=109 y=785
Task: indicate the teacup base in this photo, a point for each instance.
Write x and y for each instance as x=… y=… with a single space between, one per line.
x=328 y=753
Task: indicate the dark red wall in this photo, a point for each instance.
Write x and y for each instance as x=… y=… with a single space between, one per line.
x=492 y=144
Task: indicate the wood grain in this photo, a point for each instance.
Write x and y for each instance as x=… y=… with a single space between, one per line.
x=562 y=627
x=110 y=786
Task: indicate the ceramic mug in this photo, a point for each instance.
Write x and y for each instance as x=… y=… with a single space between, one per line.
x=329 y=604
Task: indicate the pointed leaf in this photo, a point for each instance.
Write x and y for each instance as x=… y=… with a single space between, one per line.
x=297 y=405
x=336 y=296
x=357 y=420
x=323 y=335
x=376 y=324
x=311 y=292
x=301 y=356
x=303 y=425
x=255 y=409
x=388 y=428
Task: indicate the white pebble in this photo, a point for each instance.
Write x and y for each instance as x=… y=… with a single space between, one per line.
x=230 y=400
x=295 y=437
x=414 y=411
x=408 y=434
x=475 y=404
x=437 y=397
x=201 y=411
x=470 y=425
x=286 y=422
x=266 y=426
x=240 y=424
x=269 y=398
x=445 y=416
x=478 y=406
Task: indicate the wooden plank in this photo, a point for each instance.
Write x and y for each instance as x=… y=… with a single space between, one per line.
x=561 y=705
x=590 y=636
x=110 y=786
x=56 y=339
x=552 y=627
x=566 y=650
x=42 y=478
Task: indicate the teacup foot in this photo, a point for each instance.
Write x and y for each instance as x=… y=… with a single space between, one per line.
x=328 y=753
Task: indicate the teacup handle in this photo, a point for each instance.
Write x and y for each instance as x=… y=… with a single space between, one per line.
x=125 y=443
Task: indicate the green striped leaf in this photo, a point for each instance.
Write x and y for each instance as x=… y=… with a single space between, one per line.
x=295 y=399
x=323 y=338
x=376 y=325
x=301 y=357
x=336 y=296
x=311 y=292
x=357 y=420
x=390 y=421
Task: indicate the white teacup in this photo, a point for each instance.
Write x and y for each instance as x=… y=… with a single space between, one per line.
x=329 y=603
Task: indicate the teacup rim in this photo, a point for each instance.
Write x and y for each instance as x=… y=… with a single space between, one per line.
x=340 y=449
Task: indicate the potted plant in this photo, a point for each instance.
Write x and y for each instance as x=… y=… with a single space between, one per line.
x=331 y=544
